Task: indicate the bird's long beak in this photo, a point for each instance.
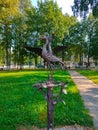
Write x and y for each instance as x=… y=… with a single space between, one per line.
x=43 y=37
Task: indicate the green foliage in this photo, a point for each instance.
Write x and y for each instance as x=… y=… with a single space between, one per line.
x=8 y=9
x=83 y=37
x=2 y=55
x=91 y=29
x=77 y=34
x=95 y=10
x=48 y=18
x=83 y=7
x=9 y=12
x=21 y=23
x=23 y=105
x=94 y=41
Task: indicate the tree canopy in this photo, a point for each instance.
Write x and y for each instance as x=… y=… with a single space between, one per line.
x=82 y=7
x=22 y=24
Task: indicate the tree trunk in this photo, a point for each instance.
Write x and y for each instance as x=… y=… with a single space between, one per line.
x=88 y=60
x=21 y=62
x=8 y=50
x=36 y=62
x=81 y=59
x=29 y=60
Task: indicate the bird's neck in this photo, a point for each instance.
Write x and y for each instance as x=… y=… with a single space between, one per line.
x=49 y=48
x=47 y=40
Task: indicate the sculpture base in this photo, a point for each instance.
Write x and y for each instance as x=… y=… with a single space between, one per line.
x=49 y=85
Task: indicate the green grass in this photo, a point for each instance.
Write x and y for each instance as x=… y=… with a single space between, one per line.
x=23 y=105
x=91 y=74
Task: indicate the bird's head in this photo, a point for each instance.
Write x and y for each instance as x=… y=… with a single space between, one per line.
x=46 y=39
x=43 y=37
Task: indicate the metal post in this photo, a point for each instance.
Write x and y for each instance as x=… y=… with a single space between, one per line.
x=50 y=108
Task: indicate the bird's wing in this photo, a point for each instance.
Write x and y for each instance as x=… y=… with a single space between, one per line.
x=36 y=50
x=59 y=49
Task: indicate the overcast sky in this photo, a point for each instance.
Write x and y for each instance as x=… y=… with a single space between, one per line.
x=64 y=4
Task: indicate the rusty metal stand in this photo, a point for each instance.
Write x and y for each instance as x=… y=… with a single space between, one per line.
x=50 y=85
x=50 y=108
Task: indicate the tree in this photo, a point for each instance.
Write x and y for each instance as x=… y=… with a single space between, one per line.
x=68 y=22
x=84 y=38
x=20 y=34
x=82 y=7
x=8 y=10
x=94 y=40
x=13 y=15
x=89 y=31
x=23 y=24
x=2 y=55
x=48 y=18
x=77 y=35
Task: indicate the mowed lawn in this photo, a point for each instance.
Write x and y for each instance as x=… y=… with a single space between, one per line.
x=23 y=105
x=91 y=74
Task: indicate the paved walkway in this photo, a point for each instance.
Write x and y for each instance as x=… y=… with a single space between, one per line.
x=89 y=93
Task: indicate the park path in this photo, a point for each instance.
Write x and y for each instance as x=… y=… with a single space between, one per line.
x=89 y=93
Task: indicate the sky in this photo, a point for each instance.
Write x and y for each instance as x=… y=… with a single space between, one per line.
x=64 y=4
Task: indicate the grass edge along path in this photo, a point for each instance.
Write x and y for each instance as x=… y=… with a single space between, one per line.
x=91 y=74
x=23 y=105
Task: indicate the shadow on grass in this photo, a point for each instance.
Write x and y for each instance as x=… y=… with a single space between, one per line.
x=91 y=98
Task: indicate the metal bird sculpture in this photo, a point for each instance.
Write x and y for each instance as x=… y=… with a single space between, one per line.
x=49 y=57
x=38 y=50
x=47 y=54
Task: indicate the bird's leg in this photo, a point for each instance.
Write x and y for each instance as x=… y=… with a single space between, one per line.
x=51 y=70
x=48 y=70
x=50 y=76
x=61 y=66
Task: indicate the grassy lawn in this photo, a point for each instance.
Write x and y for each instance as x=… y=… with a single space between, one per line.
x=23 y=105
x=91 y=74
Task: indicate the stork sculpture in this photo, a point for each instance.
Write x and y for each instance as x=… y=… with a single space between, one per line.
x=53 y=59
x=50 y=84
x=48 y=55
